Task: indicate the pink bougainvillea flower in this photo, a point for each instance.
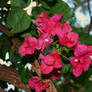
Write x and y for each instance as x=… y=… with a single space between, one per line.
x=53 y=25
x=80 y=49
x=56 y=17
x=73 y=39
x=76 y=66
x=41 y=21
x=43 y=41
x=85 y=61
x=66 y=27
x=50 y=62
x=47 y=24
x=69 y=39
x=80 y=64
x=28 y=47
x=90 y=49
x=36 y=84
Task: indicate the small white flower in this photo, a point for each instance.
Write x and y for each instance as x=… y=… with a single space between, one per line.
x=46 y=40
x=76 y=60
x=91 y=56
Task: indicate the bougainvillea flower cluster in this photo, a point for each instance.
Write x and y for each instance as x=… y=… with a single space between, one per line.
x=31 y=44
x=28 y=47
x=44 y=41
x=50 y=25
x=82 y=59
x=36 y=84
x=52 y=63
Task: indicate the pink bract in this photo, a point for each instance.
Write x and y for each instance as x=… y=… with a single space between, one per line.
x=80 y=64
x=50 y=25
x=43 y=41
x=76 y=66
x=85 y=61
x=90 y=49
x=80 y=49
x=68 y=39
x=50 y=62
x=28 y=47
x=36 y=84
x=66 y=27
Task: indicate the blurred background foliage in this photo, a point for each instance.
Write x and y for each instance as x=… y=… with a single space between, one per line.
x=78 y=13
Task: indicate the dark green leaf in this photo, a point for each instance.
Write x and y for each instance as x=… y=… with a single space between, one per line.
x=4 y=51
x=61 y=7
x=85 y=39
x=44 y=5
x=18 y=3
x=26 y=34
x=3 y=3
x=66 y=68
x=24 y=74
x=4 y=39
x=14 y=58
x=36 y=11
x=18 y=20
x=88 y=86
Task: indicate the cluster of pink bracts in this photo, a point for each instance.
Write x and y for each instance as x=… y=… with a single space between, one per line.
x=51 y=63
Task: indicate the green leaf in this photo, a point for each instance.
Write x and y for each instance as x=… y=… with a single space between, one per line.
x=4 y=39
x=24 y=74
x=18 y=3
x=15 y=58
x=85 y=39
x=36 y=11
x=4 y=51
x=62 y=7
x=28 y=2
x=88 y=86
x=26 y=34
x=66 y=68
x=44 y=5
x=18 y=20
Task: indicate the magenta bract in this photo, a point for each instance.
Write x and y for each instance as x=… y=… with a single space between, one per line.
x=36 y=84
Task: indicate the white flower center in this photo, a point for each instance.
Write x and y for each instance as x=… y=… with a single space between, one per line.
x=46 y=40
x=91 y=56
x=76 y=60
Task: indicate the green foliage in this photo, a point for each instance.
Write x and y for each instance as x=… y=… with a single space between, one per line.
x=61 y=7
x=85 y=39
x=88 y=86
x=18 y=21
x=24 y=74
x=3 y=3
x=26 y=34
x=66 y=68
x=16 y=59
x=45 y=5
x=4 y=51
x=18 y=3
x=36 y=11
x=4 y=39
